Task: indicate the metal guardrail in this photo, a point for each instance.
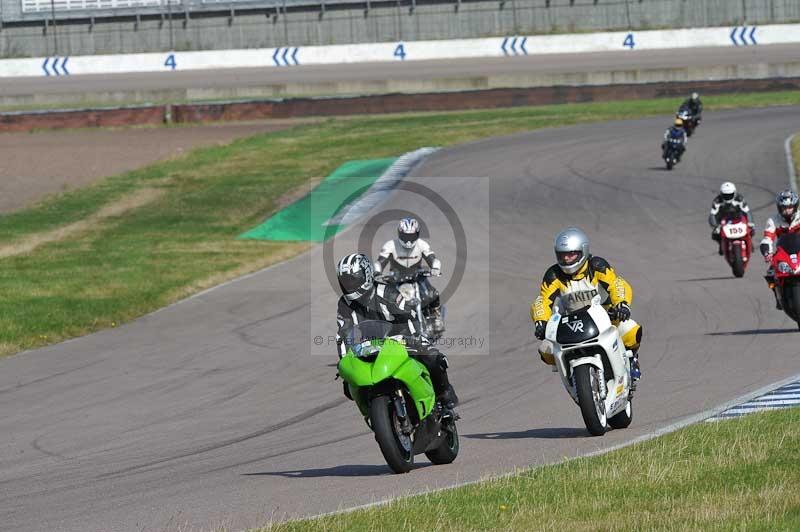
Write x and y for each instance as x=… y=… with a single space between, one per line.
x=20 y=10
x=48 y=6
x=26 y=10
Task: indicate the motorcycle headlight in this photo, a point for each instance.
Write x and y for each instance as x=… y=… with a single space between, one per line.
x=365 y=350
x=784 y=268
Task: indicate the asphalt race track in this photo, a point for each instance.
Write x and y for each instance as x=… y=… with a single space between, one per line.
x=212 y=412
x=379 y=73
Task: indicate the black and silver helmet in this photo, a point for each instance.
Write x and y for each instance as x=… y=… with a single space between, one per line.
x=572 y=250
x=356 y=277
x=786 y=202
x=408 y=232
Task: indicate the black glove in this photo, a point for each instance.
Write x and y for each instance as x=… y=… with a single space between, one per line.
x=539 y=327
x=622 y=311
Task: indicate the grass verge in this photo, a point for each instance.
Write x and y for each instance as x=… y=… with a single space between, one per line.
x=796 y=154
x=95 y=257
x=738 y=474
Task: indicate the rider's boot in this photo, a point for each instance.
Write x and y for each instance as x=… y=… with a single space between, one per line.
x=718 y=239
x=636 y=371
x=770 y=278
x=438 y=323
x=441 y=382
x=445 y=390
x=448 y=397
x=778 y=304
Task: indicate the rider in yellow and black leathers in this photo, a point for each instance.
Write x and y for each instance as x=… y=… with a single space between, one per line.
x=575 y=264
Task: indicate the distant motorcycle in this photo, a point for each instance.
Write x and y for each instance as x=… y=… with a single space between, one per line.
x=672 y=152
x=736 y=242
x=690 y=122
x=408 y=284
x=786 y=265
x=395 y=395
x=594 y=365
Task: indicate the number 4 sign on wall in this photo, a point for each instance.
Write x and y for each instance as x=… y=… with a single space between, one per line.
x=629 y=41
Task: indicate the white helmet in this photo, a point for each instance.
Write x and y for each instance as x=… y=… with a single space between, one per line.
x=727 y=191
x=572 y=249
x=408 y=232
x=695 y=96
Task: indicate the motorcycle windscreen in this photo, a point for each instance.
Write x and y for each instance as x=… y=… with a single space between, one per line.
x=790 y=243
x=576 y=328
x=365 y=331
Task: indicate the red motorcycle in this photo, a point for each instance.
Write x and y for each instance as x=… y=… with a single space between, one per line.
x=736 y=242
x=786 y=265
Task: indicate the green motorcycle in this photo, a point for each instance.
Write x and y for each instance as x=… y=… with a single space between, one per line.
x=395 y=395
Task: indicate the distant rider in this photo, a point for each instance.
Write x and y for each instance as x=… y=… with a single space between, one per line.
x=364 y=299
x=578 y=271
x=788 y=221
x=727 y=204
x=404 y=255
x=695 y=106
x=677 y=135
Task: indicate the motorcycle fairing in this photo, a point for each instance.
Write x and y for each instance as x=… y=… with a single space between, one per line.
x=392 y=362
x=597 y=351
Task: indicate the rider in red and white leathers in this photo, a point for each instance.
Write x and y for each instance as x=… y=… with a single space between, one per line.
x=789 y=220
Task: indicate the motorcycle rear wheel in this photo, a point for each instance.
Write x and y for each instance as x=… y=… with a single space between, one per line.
x=382 y=416
x=669 y=164
x=593 y=408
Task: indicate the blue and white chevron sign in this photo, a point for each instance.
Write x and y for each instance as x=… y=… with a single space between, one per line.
x=54 y=67
x=285 y=56
x=740 y=36
x=516 y=46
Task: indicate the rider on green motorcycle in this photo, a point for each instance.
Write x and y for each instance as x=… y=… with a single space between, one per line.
x=364 y=299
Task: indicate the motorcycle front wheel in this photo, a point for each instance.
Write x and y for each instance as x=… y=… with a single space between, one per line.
x=396 y=447
x=624 y=418
x=448 y=450
x=738 y=263
x=790 y=297
x=593 y=407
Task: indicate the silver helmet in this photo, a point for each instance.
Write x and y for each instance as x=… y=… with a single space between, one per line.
x=572 y=249
x=787 y=203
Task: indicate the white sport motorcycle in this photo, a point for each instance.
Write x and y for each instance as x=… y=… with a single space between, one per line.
x=594 y=365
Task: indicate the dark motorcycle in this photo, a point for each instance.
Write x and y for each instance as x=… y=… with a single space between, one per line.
x=690 y=122
x=409 y=285
x=672 y=151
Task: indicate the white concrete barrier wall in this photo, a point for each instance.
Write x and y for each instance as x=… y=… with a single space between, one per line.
x=623 y=42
